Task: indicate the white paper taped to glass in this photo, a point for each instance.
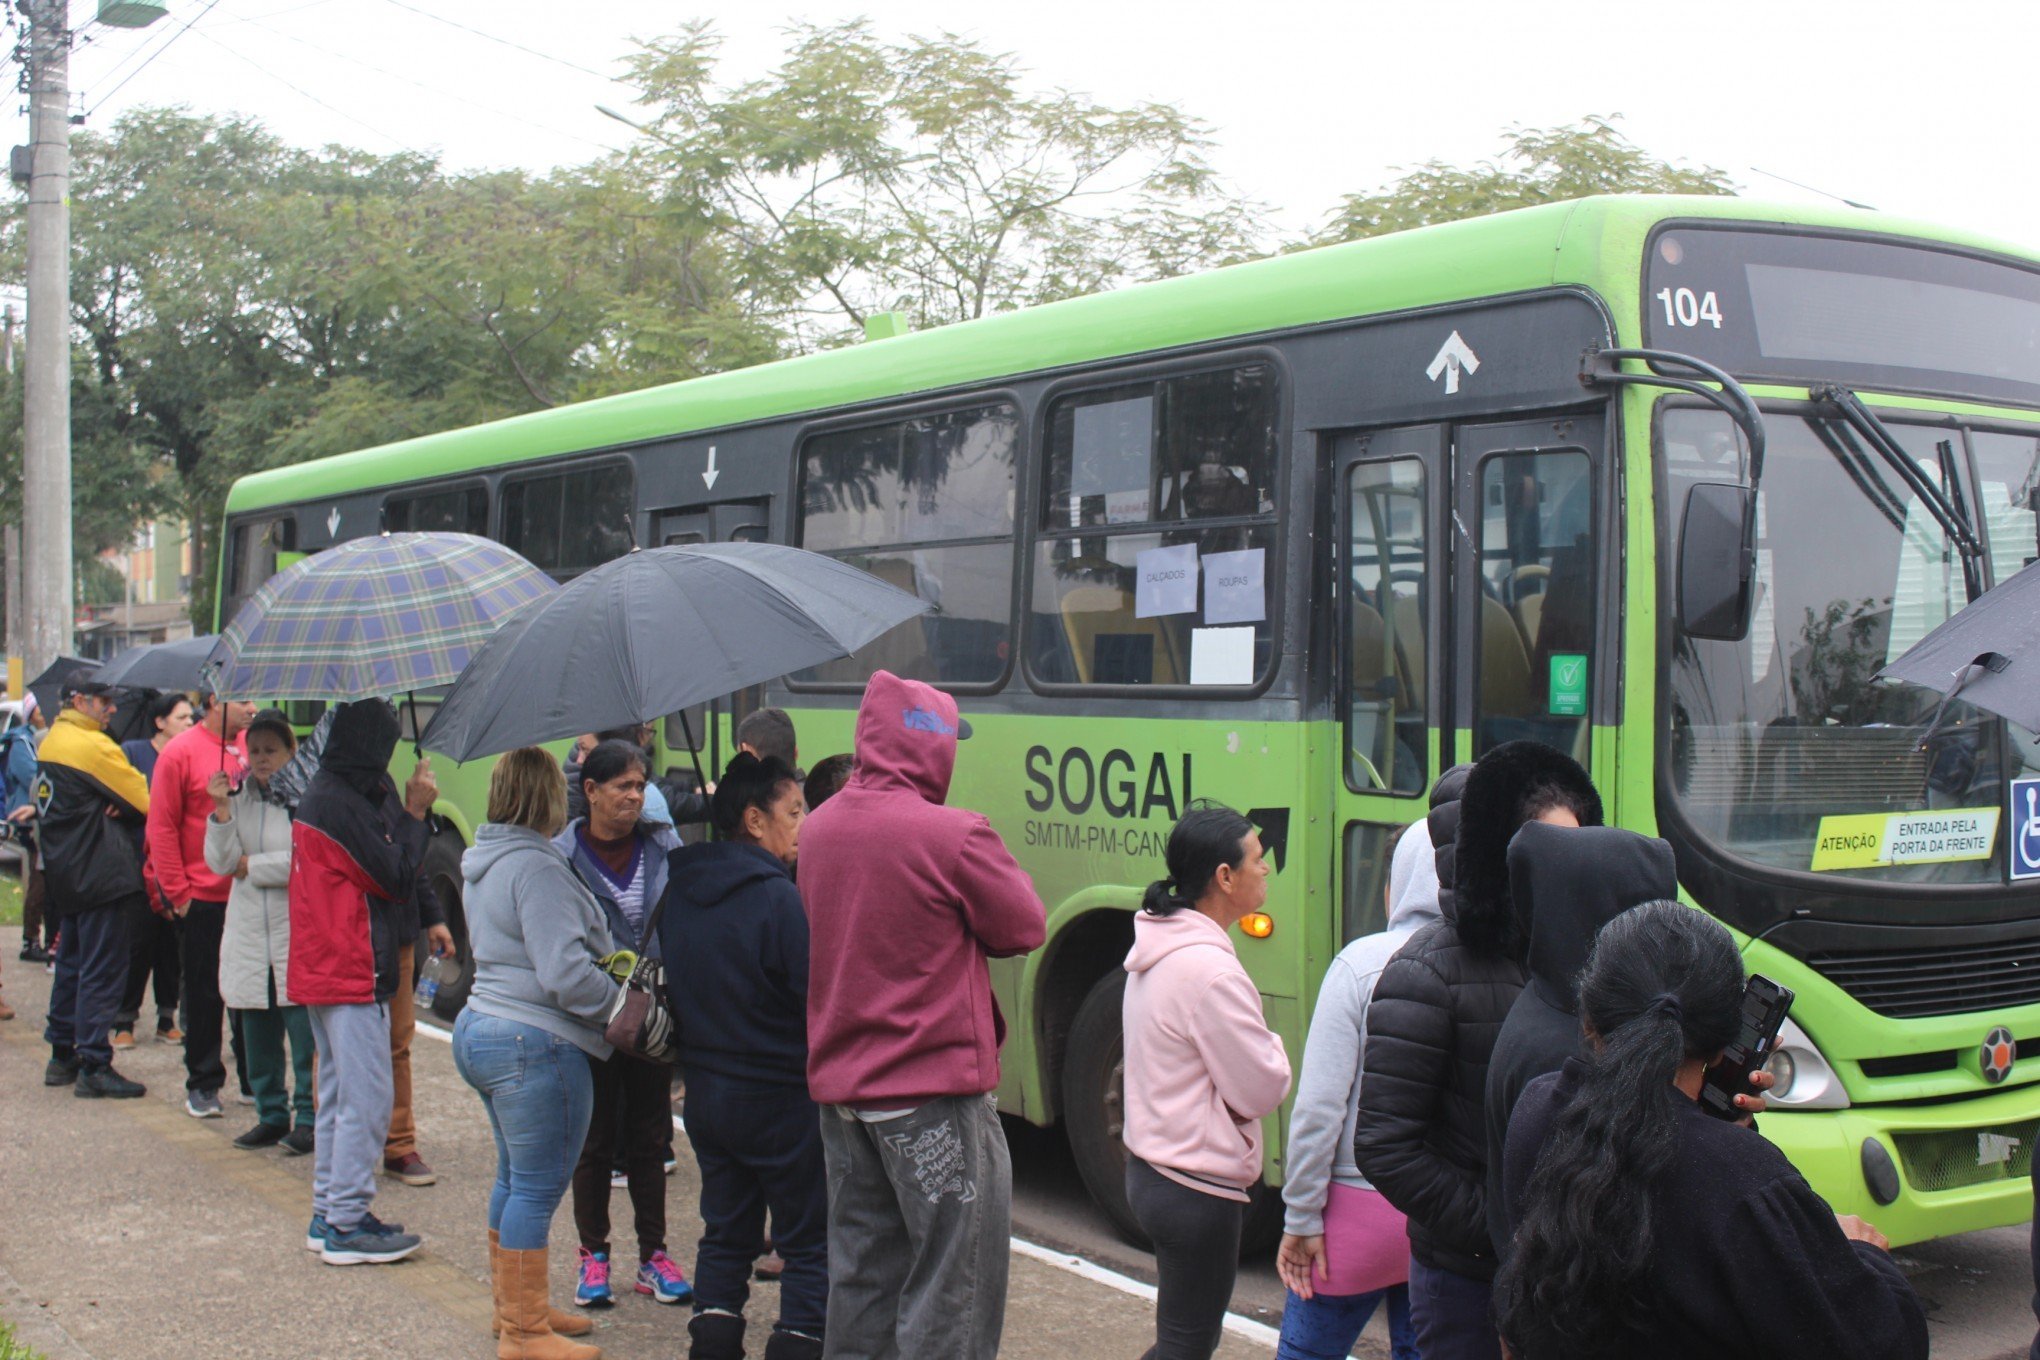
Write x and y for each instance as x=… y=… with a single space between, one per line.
x=1165 y=581
x=1235 y=586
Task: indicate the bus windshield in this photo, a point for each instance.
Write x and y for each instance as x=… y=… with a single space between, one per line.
x=1783 y=750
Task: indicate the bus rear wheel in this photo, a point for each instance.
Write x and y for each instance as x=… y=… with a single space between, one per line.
x=1094 y=1120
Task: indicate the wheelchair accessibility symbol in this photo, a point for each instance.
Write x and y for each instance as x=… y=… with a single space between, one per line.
x=2025 y=828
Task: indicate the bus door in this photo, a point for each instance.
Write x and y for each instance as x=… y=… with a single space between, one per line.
x=1391 y=492
x=694 y=733
x=1529 y=640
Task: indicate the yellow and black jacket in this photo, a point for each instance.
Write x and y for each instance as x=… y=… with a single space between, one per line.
x=92 y=805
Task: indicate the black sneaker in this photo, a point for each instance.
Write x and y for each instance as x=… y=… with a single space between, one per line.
x=299 y=1141
x=202 y=1104
x=61 y=1072
x=34 y=953
x=95 y=1083
x=262 y=1136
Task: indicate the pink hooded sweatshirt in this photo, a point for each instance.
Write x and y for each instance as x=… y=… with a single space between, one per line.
x=906 y=899
x=1202 y=1067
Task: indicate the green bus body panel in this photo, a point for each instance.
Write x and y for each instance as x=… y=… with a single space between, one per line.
x=1090 y=857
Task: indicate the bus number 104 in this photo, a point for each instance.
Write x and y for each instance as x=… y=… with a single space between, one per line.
x=1684 y=308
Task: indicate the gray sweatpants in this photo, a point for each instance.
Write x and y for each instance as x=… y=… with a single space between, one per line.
x=920 y=1213
x=355 y=1095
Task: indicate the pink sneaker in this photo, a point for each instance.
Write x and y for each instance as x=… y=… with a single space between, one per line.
x=593 y=1290
x=662 y=1279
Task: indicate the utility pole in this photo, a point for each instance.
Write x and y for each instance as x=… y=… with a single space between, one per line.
x=46 y=391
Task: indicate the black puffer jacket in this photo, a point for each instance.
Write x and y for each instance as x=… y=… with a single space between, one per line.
x=1439 y=1006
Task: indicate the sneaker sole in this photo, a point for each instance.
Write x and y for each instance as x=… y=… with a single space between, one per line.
x=203 y=1114
x=657 y=1297
x=340 y=1257
x=313 y=1244
x=420 y=1181
x=290 y=1151
x=71 y=1080
x=604 y=1301
x=84 y=1094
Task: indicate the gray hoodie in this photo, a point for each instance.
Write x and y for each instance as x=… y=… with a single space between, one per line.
x=537 y=935
x=1327 y=1106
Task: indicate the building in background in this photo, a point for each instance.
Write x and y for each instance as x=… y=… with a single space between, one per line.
x=154 y=572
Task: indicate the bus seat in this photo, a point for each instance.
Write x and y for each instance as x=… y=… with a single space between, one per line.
x=1408 y=613
x=1098 y=618
x=1370 y=648
x=1504 y=664
x=902 y=650
x=1529 y=616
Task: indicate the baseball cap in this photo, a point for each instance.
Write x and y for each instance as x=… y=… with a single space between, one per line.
x=89 y=687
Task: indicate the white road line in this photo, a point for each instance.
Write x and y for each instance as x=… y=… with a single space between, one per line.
x=1246 y=1329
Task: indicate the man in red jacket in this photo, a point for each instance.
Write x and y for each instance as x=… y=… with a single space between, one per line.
x=906 y=900
x=178 y=808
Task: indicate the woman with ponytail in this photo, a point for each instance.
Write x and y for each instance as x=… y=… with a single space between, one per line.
x=1202 y=1070
x=1641 y=1225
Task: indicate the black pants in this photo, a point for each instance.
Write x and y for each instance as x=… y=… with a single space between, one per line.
x=91 y=965
x=759 y=1147
x=154 y=949
x=1197 y=1256
x=205 y=1014
x=629 y=1124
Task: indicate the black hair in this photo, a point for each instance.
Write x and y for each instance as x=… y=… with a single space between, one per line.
x=612 y=759
x=748 y=783
x=827 y=779
x=1663 y=984
x=625 y=734
x=769 y=732
x=273 y=721
x=1208 y=835
x=162 y=706
x=1510 y=785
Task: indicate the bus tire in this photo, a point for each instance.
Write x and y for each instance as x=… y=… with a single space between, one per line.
x=1094 y=1121
x=441 y=872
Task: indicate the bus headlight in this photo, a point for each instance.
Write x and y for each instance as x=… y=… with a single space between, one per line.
x=1801 y=1078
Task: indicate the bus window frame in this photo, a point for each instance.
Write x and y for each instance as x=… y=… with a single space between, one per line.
x=1343 y=474
x=461 y=483
x=836 y=422
x=562 y=467
x=1285 y=479
x=230 y=555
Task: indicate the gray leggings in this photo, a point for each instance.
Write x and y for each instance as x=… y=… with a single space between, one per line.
x=1197 y=1255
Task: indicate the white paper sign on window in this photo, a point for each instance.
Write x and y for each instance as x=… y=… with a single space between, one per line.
x=1221 y=656
x=1236 y=586
x=1165 y=581
x=1127 y=507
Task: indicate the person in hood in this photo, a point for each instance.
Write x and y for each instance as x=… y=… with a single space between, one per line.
x=532 y=1027
x=247 y=840
x=906 y=901
x=1642 y=1225
x=1202 y=1069
x=1345 y=1249
x=1565 y=883
x=619 y=854
x=736 y=936
x=355 y=853
x=1421 y=1138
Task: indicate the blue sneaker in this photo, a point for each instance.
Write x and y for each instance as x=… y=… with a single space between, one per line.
x=593 y=1290
x=367 y=1243
x=662 y=1279
x=316 y=1235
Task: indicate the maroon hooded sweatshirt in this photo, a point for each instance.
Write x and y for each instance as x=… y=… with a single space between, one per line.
x=906 y=899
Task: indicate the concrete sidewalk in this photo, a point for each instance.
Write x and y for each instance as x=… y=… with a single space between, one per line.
x=130 y=1231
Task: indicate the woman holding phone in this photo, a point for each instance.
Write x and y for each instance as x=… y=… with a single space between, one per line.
x=1641 y=1225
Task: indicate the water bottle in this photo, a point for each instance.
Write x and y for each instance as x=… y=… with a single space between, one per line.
x=429 y=977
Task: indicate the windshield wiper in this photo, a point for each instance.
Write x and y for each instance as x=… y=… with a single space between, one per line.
x=1953 y=523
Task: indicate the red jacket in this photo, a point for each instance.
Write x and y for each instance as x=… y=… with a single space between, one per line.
x=352 y=862
x=906 y=899
x=178 y=807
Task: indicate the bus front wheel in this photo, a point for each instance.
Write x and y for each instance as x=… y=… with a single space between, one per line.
x=1094 y=1119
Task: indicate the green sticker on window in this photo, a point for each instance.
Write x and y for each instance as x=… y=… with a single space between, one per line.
x=1568 y=685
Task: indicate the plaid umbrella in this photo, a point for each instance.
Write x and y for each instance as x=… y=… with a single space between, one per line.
x=377 y=616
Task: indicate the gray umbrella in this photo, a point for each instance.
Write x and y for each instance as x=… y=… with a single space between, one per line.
x=1988 y=653
x=176 y=665
x=658 y=630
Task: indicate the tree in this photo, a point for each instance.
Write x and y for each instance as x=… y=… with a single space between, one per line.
x=1542 y=165
x=924 y=176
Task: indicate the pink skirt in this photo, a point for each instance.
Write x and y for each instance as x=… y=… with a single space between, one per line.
x=1367 y=1242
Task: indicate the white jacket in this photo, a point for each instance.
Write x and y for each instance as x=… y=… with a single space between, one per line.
x=255 y=944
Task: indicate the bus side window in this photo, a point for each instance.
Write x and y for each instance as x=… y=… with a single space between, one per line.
x=1535 y=633
x=255 y=545
x=459 y=510
x=567 y=522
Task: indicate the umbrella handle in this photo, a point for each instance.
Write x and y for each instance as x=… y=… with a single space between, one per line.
x=417 y=742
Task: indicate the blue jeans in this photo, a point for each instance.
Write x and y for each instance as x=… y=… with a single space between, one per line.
x=92 y=969
x=1450 y=1313
x=538 y=1092
x=1324 y=1327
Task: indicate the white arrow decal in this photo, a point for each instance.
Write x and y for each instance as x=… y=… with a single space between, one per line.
x=1454 y=357
x=333 y=523
x=711 y=474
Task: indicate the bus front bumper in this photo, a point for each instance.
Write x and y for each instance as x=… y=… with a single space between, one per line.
x=1959 y=1166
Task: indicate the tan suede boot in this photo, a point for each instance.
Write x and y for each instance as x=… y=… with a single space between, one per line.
x=527 y=1335
x=566 y=1324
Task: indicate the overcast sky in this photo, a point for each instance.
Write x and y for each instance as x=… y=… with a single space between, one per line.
x=1921 y=109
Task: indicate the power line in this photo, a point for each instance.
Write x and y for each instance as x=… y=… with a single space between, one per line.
x=307 y=94
x=189 y=24
x=515 y=46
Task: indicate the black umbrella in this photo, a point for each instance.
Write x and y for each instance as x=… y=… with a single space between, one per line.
x=656 y=631
x=48 y=688
x=176 y=665
x=1988 y=653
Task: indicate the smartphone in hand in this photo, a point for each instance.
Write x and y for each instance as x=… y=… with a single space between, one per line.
x=1764 y=1004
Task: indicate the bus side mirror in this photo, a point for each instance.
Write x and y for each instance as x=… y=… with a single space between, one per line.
x=1717 y=571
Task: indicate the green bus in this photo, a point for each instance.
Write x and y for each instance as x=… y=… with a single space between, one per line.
x=1660 y=481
